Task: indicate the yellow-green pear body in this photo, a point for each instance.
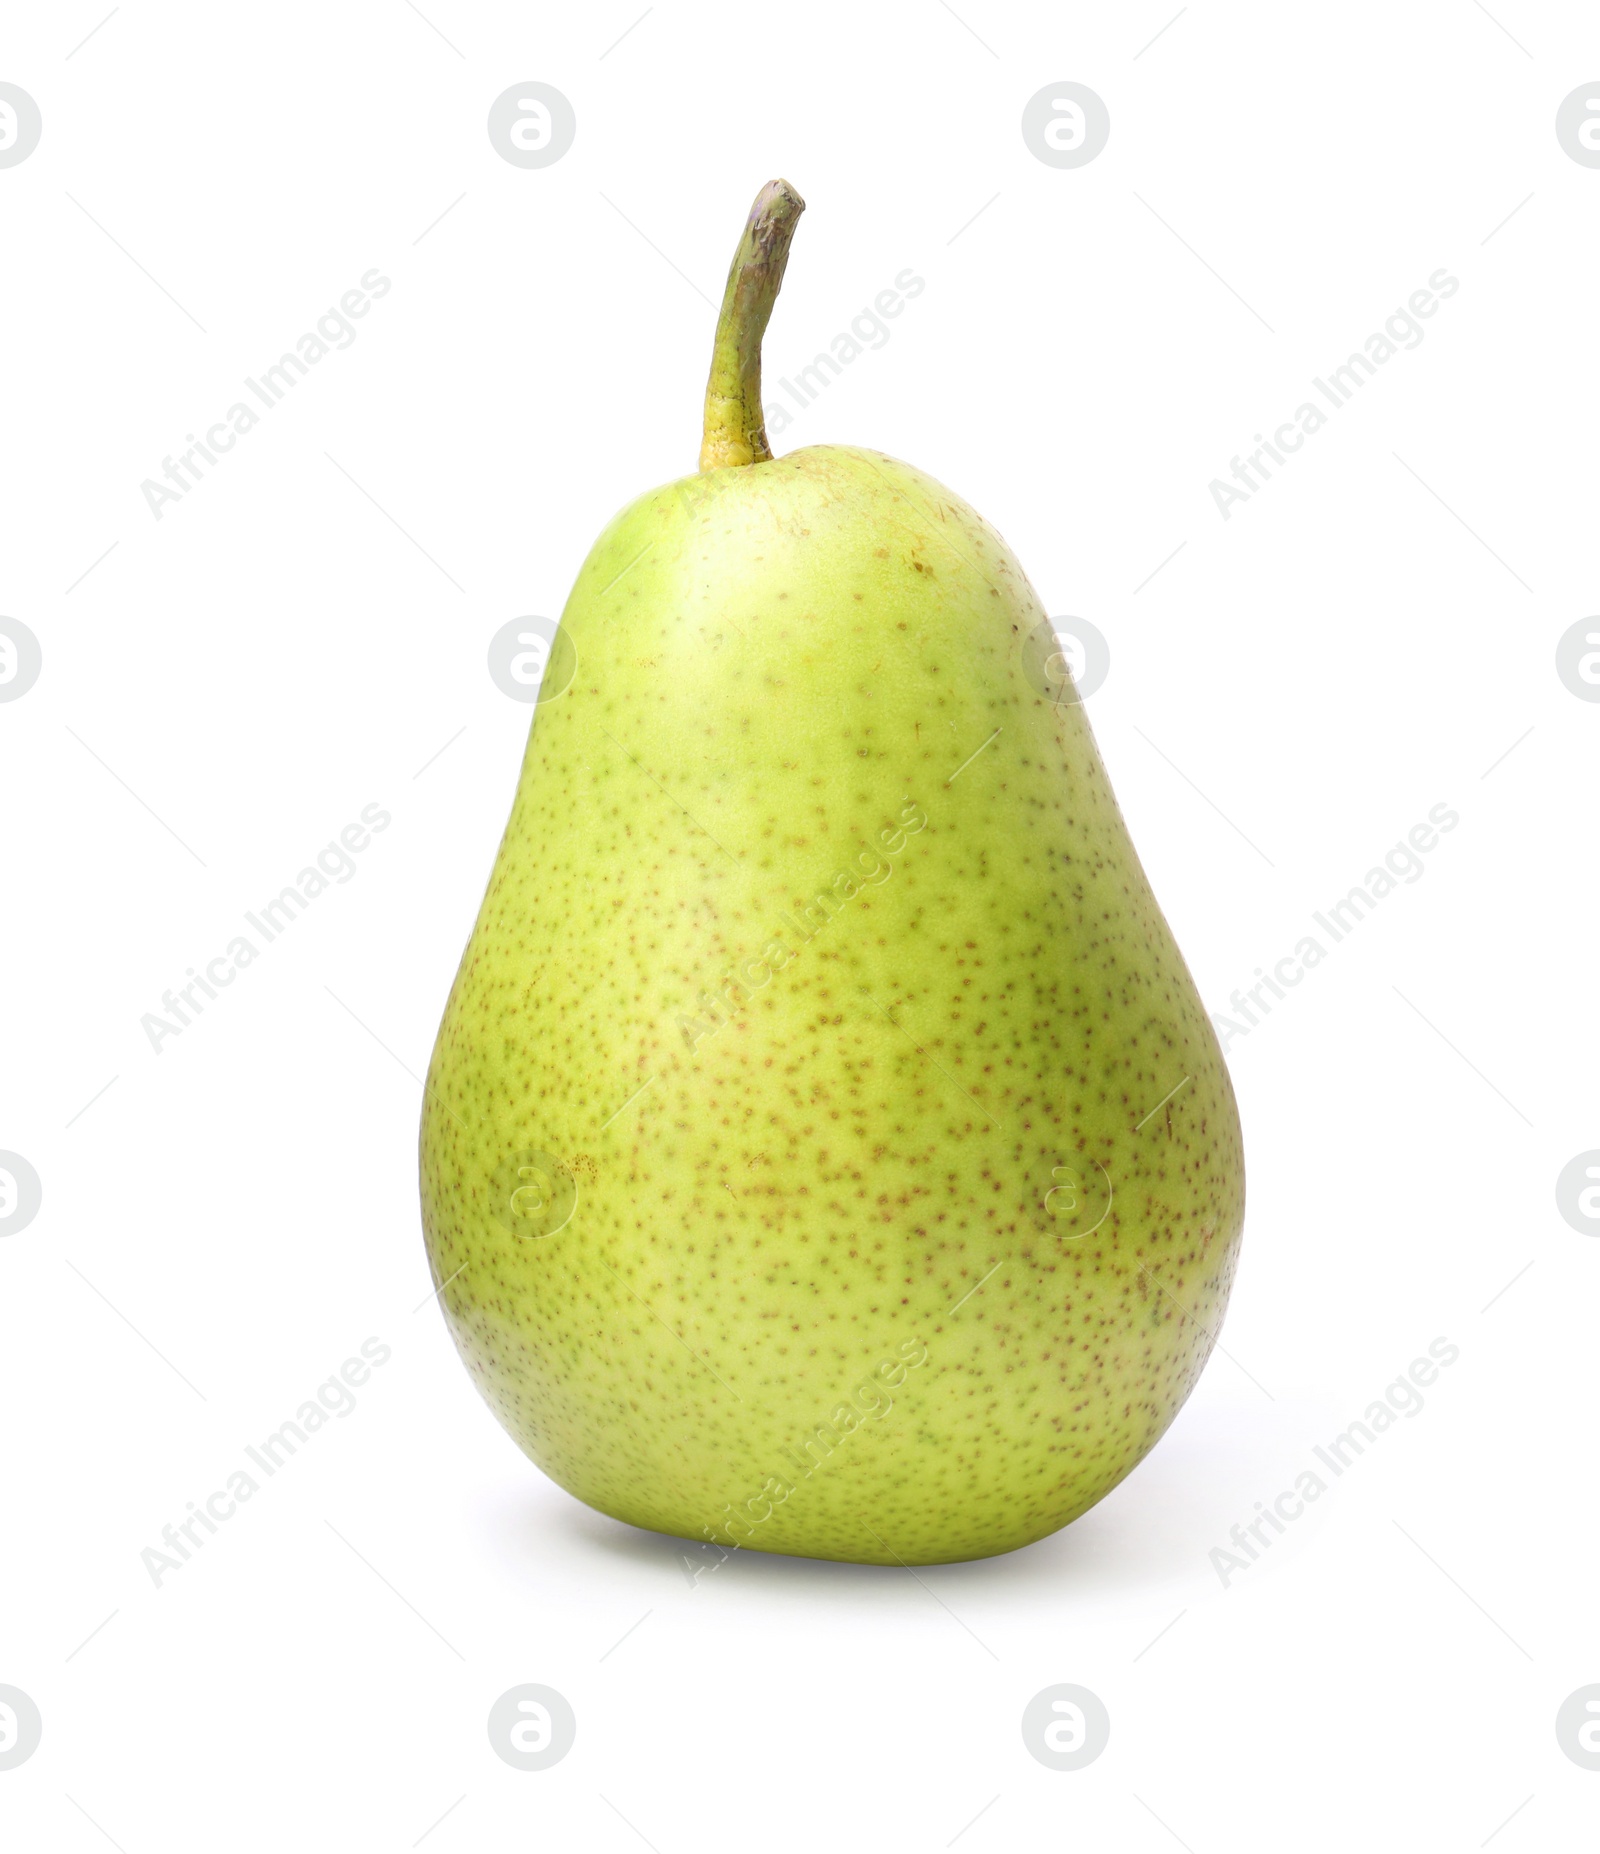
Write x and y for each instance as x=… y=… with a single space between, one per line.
x=825 y=1150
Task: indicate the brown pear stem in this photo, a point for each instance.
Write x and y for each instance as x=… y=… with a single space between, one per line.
x=735 y=427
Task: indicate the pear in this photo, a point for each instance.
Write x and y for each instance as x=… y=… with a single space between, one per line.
x=825 y=1150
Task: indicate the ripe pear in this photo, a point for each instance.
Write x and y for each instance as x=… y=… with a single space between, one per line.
x=825 y=1150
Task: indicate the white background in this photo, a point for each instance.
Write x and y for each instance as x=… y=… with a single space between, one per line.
x=305 y=634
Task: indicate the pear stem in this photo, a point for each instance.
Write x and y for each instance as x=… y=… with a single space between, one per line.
x=735 y=426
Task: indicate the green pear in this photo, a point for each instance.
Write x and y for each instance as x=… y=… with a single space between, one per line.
x=825 y=1150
